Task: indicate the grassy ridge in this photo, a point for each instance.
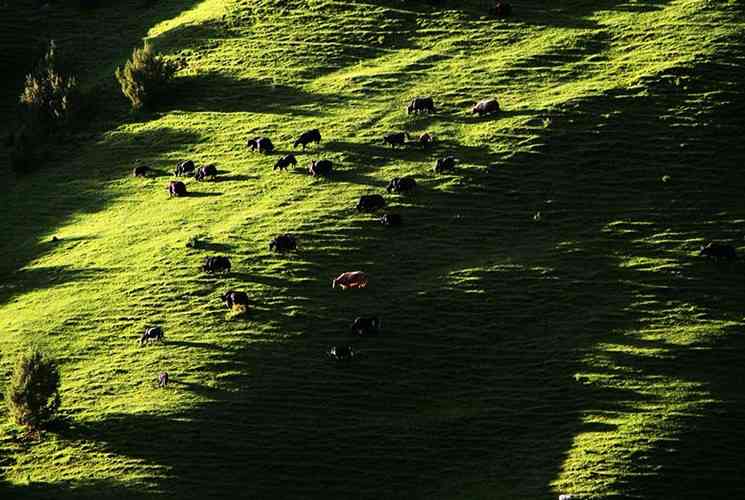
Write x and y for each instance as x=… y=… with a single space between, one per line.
x=588 y=351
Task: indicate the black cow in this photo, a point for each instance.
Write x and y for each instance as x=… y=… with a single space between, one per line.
x=401 y=185
x=184 y=167
x=320 y=167
x=262 y=144
x=718 y=251
x=151 y=333
x=217 y=264
x=370 y=203
x=443 y=164
x=391 y=220
x=141 y=171
x=341 y=353
x=176 y=188
x=162 y=379
x=207 y=171
x=396 y=139
x=285 y=162
x=421 y=105
x=366 y=327
x=232 y=298
x=502 y=9
x=308 y=137
x=283 y=243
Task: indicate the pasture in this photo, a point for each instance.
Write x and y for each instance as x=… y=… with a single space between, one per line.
x=547 y=324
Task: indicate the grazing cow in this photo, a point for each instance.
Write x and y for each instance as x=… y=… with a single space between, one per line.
x=502 y=9
x=141 y=171
x=151 y=333
x=366 y=327
x=262 y=144
x=285 y=162
x=485 y=107
x=391 y=220
x=341 y=353
x=283 y=243
x=370 y=203
x=443 y=164
x=176 y=188
x=351 y=279
x=207 y=171
x=184 y=167
x=397 y=139
x=421 y=105
x=217 y=264
x=426 y=139
x=232 y=298
x=401 y=185
x=718 y=251
x=308 y=137
x=320 y=167
x=162 y=379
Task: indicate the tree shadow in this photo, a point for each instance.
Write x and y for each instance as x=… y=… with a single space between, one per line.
x=216 y=92
x=77 y=190
x=40 y=278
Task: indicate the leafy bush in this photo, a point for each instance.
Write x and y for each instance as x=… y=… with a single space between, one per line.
x=145 y=77
x=49 y=103
x=50 y=98
x=33 y=393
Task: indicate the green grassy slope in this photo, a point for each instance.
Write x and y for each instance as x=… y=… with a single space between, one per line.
x=589 y=351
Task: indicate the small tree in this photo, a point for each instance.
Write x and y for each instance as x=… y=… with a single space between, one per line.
x=33 y=393
x=50 y=98
x=49 y=102
x=144 y=77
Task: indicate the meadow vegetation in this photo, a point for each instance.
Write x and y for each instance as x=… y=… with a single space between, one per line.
x=547 y=324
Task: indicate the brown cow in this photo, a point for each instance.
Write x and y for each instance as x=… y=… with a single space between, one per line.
x=486 y=107
x=351 y=279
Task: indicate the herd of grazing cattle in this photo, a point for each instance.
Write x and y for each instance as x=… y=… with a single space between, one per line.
x=238 y=301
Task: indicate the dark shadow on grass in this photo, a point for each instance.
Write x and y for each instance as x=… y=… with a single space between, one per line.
x=216 y=92
x=559 y=14
x=482 y=363
x=236 y=178
x=202 y=194
x=213 y=247
x=33 y=216
x=481 y=378
x=40 y=278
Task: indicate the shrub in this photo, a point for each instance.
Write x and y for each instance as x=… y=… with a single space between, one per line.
x=145 y=77
x=33 y=393
x=50 y=98
x=49 y=102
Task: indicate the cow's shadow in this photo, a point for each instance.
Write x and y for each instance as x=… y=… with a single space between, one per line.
x=202 y=194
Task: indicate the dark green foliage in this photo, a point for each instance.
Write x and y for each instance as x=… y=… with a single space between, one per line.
x=33 y=393
x=49 y=102
x=145 y=76
x=50 y=98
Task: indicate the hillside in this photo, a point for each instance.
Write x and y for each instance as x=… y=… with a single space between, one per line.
x=548 y=325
